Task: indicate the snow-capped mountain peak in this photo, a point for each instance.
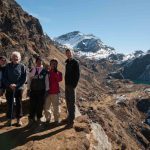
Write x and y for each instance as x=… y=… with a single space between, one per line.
x=92 y=47
x=135 y=54
x=85 y=45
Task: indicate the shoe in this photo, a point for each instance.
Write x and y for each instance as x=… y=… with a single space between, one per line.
x=39 y=122
x=19 y=123
x=57 y=122
x=69 y=124
x=9 y=123
x=47 y=121
x=65 y=120
x=30 y=122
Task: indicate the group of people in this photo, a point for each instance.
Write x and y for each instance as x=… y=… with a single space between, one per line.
x=42 y=88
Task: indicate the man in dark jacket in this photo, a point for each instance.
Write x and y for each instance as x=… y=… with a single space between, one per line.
x=72 y=75
x=14 y=79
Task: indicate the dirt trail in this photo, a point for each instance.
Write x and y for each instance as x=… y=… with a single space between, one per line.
x=45 y=137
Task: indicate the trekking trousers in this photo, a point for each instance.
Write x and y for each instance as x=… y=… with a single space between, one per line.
x=70 y=102
x=10 y=96
x=52 y=99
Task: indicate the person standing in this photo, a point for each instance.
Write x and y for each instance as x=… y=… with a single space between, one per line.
x=2 y=69
x=52 y=98
x=14 y=78
x=72 y=75
x=37 y=85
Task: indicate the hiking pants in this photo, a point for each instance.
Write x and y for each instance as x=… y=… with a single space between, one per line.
x=52 y=99
x=70 y=101
x=10 y=96
x=37 y=99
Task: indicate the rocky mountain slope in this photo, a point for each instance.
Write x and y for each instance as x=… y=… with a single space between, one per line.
x=112 y=110
x=136 y=69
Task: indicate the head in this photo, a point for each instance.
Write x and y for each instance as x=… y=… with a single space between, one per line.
x=38 y=62
x=2 y=60
x=69 y=53
x=15 y=57
x=53 y=64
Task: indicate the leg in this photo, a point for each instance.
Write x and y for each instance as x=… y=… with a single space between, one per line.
x=47 y=105
x=10 y=100
x=70 y=100
x=18 y=96
x=41 y=99
x=33 y=104
x=55 y=104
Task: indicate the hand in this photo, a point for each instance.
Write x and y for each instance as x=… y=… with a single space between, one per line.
x=1 y=92
x=12 y=86
x=46 y=93
x=28 y=93
x=55 y=69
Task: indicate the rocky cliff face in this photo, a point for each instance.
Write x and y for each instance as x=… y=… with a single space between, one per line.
x=20 y=31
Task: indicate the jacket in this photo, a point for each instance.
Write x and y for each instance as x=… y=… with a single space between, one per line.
x=54 y=79
x=14 y=74
x=72 y=73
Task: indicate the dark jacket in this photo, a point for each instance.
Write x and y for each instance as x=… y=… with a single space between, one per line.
x=2 y=86
x=72 y=73
x=14 y=74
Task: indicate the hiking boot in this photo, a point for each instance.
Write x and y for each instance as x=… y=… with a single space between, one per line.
x=19 y=123
x=9 y=123
x=69 y=124
x=47 y=122
x=39 y=122
x=30 y=122
x=57 y=122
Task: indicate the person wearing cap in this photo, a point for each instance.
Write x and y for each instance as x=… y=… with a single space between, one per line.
x=37 y=85
x=52 y=98
x=14 y=78
x=72 y=75
x=2 y=69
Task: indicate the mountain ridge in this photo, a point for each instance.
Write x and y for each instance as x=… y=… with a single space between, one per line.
x=92 y=47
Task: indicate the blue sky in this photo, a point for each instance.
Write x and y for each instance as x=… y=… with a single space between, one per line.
x=122 y=24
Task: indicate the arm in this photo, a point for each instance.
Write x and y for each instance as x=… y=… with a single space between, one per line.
x=23 y=77
x=28 y=81
x=59 y=76
x=30 y=77
x=77 y=74
x=47 y=82
x=5 y=80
